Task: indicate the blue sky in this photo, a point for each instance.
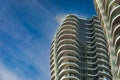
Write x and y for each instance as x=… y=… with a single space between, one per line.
x=26 y=31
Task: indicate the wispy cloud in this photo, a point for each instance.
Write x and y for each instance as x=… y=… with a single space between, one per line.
x=23 y=47
x=6 y=74
x=26 y=29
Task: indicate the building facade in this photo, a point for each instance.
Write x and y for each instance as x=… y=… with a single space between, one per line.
x=79 y=51
x=109 y=15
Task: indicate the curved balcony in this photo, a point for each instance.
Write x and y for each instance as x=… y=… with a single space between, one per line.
x=67 y=71
x=98 y=44
x=67 y=46
x=67 y=31
x=51 y=66
x=51 y=56
x=107 y=5
x=102 y=73
x=105 y=73
x=68 y=77
x=66 y=64
x=92 y=63
x=116 y=31
x=102 y=50
x=51 y=51
x=52 y=46
x=93 y=68
x=103 y=55
x=66 y=52
x=90 y=29
x=68 y=41
x=115 y=21
x=103 y=78
x=93 y=75
x=101 y=40
x=90 y=37
x=70 y=23
x=99 y=35
x=66 y=58
x=98 y=28
x=92 y=46
x=68 y=36
x=67 y=26
x=94 y=21
x=103 y=61
x=52 y=72
x=52 y=77
x=117 y=41
x=116 y=9
x=71 y=20
x=72 y=16
x=93 y=56
x=91 y=52
x=91 y=33
x=51 y=60
x=118 y=57
x=98 y=31
x=73 y=67
x=111 y=6
x=91 y=42
x=106 y=68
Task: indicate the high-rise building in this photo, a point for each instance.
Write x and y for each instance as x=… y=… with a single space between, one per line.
x=109 y=15
x=79 y=51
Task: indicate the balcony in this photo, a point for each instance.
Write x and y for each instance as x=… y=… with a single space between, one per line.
x=110 y=6
x=68 y=36
x=115 y=20
x=67 y=31
x=103 y=61
x=72 y=16
x=70 y=63
x=67 y=41
x=103 y=55
x=113 y=7
x=105 y=73
x=102 y=66
x=68 y=77
x=67 y=26
x=102 y=40
x=67 y=46
x=118 y=58
x=67 y=51
x=115 y=31
x=117 y=41
x=66 y=58
x=67 y=70
x=107 y=5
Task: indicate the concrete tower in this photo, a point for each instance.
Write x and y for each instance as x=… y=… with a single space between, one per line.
x=79 y=51
x=109 y=15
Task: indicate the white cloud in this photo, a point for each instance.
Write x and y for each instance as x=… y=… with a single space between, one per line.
x=6 y=74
